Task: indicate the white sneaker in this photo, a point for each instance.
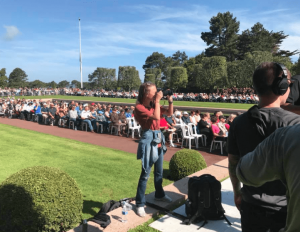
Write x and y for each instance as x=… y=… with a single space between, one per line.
x=75 y=127
x=166 y=198
x=140 y=211
x=173 y=145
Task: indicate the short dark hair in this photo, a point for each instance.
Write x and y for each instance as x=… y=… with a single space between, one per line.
x=213 y=118
x=263 y=77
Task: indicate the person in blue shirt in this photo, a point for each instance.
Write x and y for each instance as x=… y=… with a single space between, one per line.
x=127 y=113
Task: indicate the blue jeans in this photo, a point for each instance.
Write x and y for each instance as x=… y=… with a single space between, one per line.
x=89 y=123
x=158 y=178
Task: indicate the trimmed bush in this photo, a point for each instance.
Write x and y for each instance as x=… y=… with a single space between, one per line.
x=40 y=199
x=186 y=162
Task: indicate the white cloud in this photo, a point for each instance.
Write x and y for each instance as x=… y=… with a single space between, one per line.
x=11 y=32
x=272 y=11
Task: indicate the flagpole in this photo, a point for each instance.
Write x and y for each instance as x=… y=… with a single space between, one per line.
x=80 y=55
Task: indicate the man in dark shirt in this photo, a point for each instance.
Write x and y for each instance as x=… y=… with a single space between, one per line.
x=262 y=208
x=185 y=118
x=293 y=101
x=44 y=111
x=52 y=112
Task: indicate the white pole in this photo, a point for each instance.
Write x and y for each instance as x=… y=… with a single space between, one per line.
x=80 y=55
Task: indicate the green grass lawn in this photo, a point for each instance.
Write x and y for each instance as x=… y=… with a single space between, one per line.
x=176 y=103
x=101 y=173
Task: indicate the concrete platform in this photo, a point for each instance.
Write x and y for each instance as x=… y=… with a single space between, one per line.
x=177 y=191
x=168 y=223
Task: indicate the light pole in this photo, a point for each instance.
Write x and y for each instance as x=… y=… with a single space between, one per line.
x=80 y=55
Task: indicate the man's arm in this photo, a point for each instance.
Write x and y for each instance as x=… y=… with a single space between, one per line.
x=233 y=161
x=265 y=163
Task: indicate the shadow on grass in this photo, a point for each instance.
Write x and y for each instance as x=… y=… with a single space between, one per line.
x=167 y=174
x=89 y=207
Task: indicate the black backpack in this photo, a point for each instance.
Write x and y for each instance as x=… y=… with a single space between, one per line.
x=204 y=200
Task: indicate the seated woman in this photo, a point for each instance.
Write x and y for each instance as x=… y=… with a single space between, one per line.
x=93 y=117
x=217 y=133
x=164 y=125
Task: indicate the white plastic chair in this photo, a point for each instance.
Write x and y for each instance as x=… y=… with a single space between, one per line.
x=214 y=143
x=193 y=132
x=186 y=135
x=133 y=127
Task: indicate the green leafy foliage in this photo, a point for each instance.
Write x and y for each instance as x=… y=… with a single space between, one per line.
x=40 y=199
x=3 y=78
x=186 y=162
x=128 y=78
x=104 y=78
x=178 y=78
x=63 y=84
x=17 y=78
x=222 y=36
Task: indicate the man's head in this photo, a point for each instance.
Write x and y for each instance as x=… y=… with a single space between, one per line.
x=44 y=104
x=271 y=79
x=185 y=114
x=86 y=107
x=51 y=105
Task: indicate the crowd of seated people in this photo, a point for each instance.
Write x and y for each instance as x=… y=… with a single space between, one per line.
x=94 y=115
x=230 y=95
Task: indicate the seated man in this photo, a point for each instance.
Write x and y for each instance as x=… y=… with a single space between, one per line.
x=73 y=116
x=164 y=125
x=85 y=115
x=44 y=112
x=224 y=127
x=204 y=127
x=51 y=114
x=185 y=118
x=127 y=113
x=115 y=119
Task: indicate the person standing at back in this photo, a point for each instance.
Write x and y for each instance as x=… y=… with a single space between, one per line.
x=262 y=208
x=151 y=147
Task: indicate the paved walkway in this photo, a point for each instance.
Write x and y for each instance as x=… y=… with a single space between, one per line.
x=105 y=140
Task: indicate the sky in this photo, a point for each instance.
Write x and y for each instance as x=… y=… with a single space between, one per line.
x=42 y=36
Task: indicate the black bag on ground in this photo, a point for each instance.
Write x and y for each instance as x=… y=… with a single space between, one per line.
x=102 y=218
x=204 y=200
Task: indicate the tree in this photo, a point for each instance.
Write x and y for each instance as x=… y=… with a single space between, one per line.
x=156 y=72
x=103 y=78
x=156 y=60
x=214 y=72
x=17 y=78
x=37 y=84
x=52 y=84
x=3 y=78
x=149 y=78
x=295 y=70
x=76 y=84
x=260 y=39
x=128 y=78
x=235 y=76
x=222 y=36
x=179 y=58
x=178 y=78
x=63 y=84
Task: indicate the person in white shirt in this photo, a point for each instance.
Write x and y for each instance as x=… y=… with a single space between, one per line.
x=85 y=115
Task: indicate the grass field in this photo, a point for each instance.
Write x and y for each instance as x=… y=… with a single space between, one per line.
x=101 y=173
x=176 y=103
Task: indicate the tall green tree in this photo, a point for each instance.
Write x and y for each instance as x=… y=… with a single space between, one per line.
x=103 y=78
x=260 y=39
x=37 y=84
x=295 y=70
x=155 y=60
x=214 y=73
x=76 y=84
x=235 y=76
x=52 y=84
x=149 y=78
x=3 y=78
x=63 y=84
x=128 y=78
x=17 y=78
x=222 y=37
x=179 y=78
x=156 y=74
x=179 y=58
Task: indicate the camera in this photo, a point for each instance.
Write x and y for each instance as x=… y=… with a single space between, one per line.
x=166 y=91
